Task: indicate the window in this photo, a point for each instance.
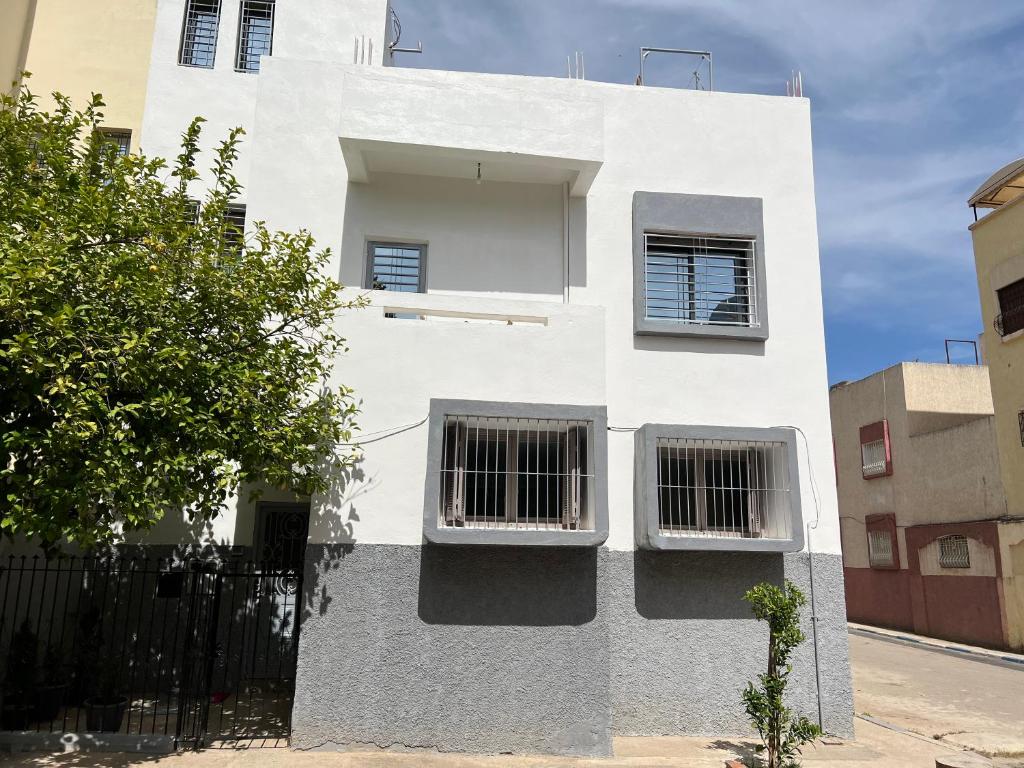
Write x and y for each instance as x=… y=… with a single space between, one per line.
x=516 y=473
x=875 y=450
x=1011 y=308
x=121 y=139
x=234 y=231
x=713 y=487
x=396 y=267
x=698 y=266
x=953 y=552
x=199 y=33
x=700 y=280
x=255 y=34
x=880 y=549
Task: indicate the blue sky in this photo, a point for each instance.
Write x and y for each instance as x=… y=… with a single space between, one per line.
x=914 y=104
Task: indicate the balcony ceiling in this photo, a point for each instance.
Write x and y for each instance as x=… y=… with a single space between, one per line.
x=1001 y=187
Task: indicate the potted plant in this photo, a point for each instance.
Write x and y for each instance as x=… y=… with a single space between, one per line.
x=52 y=687
x=20 y=678
x=104 y=710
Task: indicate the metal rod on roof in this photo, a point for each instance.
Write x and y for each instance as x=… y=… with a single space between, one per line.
x=647 y=51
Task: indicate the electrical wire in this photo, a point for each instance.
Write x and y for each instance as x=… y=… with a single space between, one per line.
x=391 y=432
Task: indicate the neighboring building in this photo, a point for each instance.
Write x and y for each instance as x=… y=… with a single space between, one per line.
x=927 y=544
x=79 y=48
x=591 y=376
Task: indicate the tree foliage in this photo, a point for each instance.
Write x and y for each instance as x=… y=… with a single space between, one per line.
x=782 y=735
x=152 y=358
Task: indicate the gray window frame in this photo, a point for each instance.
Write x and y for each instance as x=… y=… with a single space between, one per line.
x=241 y=50
x=434 y=533
x=368 y=261
x=697 y=215
x=646 y=518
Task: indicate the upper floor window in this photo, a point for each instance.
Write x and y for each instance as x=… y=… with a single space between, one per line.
x=700 y=280
x=234 y=229
x=875 y=450
x=120 y=139
x=1011 y=308
x=255 y=34
x=199 y=33
x=396 y=267
x=954 y=552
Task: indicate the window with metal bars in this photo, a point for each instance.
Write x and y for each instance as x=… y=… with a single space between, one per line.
x=873 y=458
x=722 y=488
x=954 y=552
x=199 y=33
x=1011 y=308
x=234 y=229
x=121 y=139
x=396 y=267
x=255 y=34
x=700 y=280
x=880 y=549
x=516 y=473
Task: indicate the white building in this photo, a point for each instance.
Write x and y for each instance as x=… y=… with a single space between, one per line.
x=593 y=394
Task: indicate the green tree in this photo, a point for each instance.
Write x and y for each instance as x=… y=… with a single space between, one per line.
x=782 y=735
x=152 y=356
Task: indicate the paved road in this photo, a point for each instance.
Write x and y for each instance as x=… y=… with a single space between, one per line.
x=961 y=701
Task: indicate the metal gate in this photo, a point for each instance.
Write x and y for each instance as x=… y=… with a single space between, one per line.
x=190 y=652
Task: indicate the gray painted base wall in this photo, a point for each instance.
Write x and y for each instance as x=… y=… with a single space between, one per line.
x=491 y=649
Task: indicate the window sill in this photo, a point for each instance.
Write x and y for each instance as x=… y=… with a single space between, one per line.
x=722 y=544
x=1011 y=336
x=646 y=327
x=514 y=538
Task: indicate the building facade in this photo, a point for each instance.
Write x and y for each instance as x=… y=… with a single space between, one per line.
x=927 y=543
x=591 y=373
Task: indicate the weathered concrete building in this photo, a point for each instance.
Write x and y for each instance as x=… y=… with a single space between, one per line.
x=927 y=544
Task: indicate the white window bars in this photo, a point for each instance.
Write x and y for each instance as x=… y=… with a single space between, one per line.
x=880 y=552
x=873 y=458
x=255 y=34
x=516 y=473
x=700 y=280
x=723 y=488
x=199 y=33
x=954 y=552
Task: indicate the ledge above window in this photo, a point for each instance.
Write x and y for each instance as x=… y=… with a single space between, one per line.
x=717 y=488
x=521 y=474
x=698 y=266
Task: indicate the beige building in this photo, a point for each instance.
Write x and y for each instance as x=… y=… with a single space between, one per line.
x=79 y=48
x=927 y=543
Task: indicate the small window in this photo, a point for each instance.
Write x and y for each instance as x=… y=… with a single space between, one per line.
x=700 y=280
x=120 y=139
x=396 y=267
x=875 y=450
x=255 y=34
x=199 y=33
x=880 y=549
x=1011 y=308
x=873 y=458
x=953 y=552
x=522 y=474
x=234 y=230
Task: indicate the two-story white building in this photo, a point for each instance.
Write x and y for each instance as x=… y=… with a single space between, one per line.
x=592 y=374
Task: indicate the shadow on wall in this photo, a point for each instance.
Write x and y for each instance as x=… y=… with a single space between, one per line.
x=508 y=586
x=700 y=585
x=709 y=346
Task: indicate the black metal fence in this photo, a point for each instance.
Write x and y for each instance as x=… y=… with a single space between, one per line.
x=192 y=650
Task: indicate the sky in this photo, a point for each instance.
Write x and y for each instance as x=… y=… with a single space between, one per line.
x=914 y=104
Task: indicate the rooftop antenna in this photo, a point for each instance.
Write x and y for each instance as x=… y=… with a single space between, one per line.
x=396 y=26
x=795 y=85
x=704 y=56
x=579 y=72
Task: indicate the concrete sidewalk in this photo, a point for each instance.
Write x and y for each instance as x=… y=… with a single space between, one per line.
x=1000 y=658
x=876 y=746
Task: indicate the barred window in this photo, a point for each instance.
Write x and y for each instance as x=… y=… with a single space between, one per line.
x=199 y=33
x=234 y=229
x=700 y=280
x=873 y=458
x=880 y=549
x=255 y=34
x=121 y=139
x=723 y=488
x=516 y=473
x=1011 y=308
x=396 y=267
x=953 y=552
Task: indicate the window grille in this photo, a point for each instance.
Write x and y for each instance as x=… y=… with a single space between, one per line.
x=1011 y=308
x=953 y=552
x=880 y=549
x=199 y=33
x=1020 y=425
x=255 y=34
x=700 y=280
x=873 y=458
x=234 y=228
x=511 y=473
x=723 y=488
x=121 y=139
x=396 y=267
